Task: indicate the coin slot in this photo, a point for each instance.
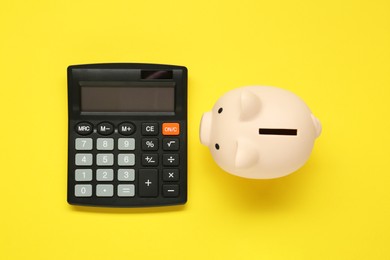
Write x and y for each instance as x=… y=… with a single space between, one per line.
x=277 y=131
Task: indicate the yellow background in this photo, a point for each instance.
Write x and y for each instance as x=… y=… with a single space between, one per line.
x=334 y=54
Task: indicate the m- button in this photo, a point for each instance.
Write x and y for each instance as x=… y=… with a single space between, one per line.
x=105 y=128
x=171 y=129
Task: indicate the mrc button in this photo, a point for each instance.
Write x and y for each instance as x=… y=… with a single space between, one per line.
x=171 y=129
x=84 y=128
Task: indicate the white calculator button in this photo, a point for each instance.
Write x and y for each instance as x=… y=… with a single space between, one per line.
x=83 y=143
x=105 y=159
x=126 y=175
x=83 y=190
x=105 y=174
x=126 y=159
x=126 y=144
x=83 y=175
x=126 y=190
x=83 y=159
x=105 y=144
x=104 y=190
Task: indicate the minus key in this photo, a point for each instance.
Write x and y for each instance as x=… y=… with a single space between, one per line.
x=171 y=190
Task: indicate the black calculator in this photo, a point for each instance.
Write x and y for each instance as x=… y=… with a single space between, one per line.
x=127 y=142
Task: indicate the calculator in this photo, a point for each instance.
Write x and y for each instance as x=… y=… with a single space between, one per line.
x=127 y=135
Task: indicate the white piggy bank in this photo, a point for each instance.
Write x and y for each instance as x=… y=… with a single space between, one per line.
x=260 y=132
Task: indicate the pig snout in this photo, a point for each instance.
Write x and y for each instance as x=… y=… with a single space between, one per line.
x=205 y=128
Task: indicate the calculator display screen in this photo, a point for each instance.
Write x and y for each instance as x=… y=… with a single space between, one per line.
x=149 y=97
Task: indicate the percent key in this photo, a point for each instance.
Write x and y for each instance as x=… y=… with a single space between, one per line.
x=150 y=144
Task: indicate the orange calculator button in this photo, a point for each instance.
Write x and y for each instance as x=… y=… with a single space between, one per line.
x=170 y=129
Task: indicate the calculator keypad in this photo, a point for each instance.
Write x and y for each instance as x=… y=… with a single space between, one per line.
x=83 y=144
x=105 y=144
x=104 y=159
x=83 y=175
x=83 y=190
x=84 y=159
x=148 y=183
x=126 y=144
x=104 y=174
x=104 y=190
x=117 y=161
x=126 y=190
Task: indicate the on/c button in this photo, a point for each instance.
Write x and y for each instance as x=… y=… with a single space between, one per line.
x=171 y=128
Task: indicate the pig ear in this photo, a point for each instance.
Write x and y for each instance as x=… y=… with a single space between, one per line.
x=250 y=105
x=317 y=125
x=246 y=154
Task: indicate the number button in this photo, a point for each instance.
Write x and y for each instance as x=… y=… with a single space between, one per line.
x=104 y=175
x=83 y=175
x=105 y=159
x=83 y=159
x=126 y=159
x=126 y=144
x=105 y=144
x=83 y=143
x=126 y=175
x=83 y=190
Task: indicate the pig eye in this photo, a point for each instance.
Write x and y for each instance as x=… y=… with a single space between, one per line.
x=217 y=146
x=220 y=110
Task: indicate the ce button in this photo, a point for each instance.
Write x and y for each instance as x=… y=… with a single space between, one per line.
x=149 y=128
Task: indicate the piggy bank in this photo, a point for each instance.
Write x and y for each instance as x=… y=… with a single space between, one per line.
x=260 y=132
